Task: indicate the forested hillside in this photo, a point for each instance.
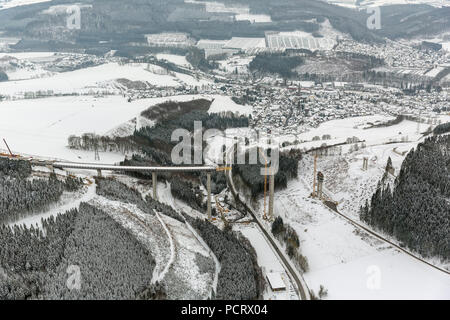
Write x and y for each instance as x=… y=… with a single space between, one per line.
x=21 y=196
x=416 y=210
x=240 y=276
x=105 y=19
x=34 y=262
x=276 y=63
x=112 y=263
x=442 y=128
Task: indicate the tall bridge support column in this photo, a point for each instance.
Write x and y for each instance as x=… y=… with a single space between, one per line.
x=208 y=200
x=365 y=163
x=271 y=194
x=155 y=184
x=99 y=173
x=320 y=179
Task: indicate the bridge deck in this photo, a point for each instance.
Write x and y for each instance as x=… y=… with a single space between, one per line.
x=90 y=166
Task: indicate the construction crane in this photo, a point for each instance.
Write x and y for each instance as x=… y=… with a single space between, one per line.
x=9 y=150
x=418 y=122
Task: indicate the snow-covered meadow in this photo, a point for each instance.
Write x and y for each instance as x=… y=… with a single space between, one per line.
x=17 y=3
x=348 y=262
x=40 y=127
x=360 y=127
x=97 y=79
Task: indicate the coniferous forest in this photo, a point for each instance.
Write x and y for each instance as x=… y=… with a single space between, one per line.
x=416 y=210
x=37 y=262
x=21 y=196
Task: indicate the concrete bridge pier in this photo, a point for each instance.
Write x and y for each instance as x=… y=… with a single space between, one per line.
x=155 y=183
x=271 y=194
x=365 y=163
x=320 y=180
x=99 y=173
x=208 y=200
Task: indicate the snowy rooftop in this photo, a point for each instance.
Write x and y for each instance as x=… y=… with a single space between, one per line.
x=276 y=281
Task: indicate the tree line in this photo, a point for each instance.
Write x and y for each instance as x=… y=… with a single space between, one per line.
x=238 y=277
x=415 y=210
x=287 y=235
x=21 y=196
x=276 y=63
x=442 y=128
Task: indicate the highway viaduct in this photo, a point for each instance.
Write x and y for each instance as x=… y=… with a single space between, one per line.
x=153 y=170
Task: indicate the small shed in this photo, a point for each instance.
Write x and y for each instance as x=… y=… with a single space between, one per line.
x=276 y=281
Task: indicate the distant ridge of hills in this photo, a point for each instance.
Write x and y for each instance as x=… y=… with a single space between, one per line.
x=116 y=23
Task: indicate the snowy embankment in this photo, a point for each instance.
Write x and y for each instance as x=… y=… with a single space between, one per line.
x=172 y=250
x=165 y=196
x=179 y=269
x=146 y=228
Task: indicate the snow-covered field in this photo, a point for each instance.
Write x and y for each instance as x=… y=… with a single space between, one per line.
x=40 y=127
x=19 y=69
x=235 y=64
x=176 y=59
x=97 y=79
x=268 y=261
x=253 y=18
x=378 y=3
x=359 y=127
x=17 y=3
x=240 y=12
x=434 y=72
x=349 y=263
x=31 y=56
x=224 y=104
x=446 y=45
